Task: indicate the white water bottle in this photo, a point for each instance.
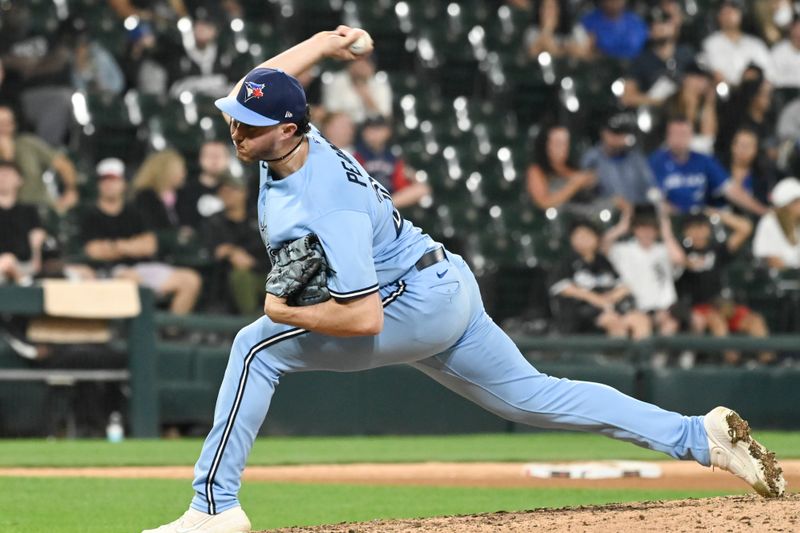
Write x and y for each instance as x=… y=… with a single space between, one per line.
x=114 y=430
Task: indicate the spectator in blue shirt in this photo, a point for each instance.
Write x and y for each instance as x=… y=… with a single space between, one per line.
x=615 y=31
x=690 y=181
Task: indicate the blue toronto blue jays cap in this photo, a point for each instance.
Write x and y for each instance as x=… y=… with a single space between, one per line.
x=267 y=97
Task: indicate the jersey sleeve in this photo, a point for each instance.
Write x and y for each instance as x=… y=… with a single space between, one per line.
x=346 y=237
x=717 y=177
x=41 y=150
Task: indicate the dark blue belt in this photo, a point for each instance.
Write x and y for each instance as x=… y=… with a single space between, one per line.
x=430 y=258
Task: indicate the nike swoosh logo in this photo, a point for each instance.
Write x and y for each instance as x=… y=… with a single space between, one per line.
x=440 y=275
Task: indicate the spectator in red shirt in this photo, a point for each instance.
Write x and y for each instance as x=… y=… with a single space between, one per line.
x=380 y=160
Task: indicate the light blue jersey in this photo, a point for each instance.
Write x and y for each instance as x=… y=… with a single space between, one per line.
x=367 y=243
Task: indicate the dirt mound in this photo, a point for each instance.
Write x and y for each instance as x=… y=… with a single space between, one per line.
x=729 y=514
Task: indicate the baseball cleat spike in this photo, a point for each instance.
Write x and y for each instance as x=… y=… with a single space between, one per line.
x=733 y=449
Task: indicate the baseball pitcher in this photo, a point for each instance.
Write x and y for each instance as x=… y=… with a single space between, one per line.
x=355 y=286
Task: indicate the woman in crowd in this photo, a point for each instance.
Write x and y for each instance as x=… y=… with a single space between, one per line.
x=553 y=179
x=155 y=192
x=749 y=107
x=748 y=165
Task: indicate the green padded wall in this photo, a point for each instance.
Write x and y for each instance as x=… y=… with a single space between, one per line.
x=767 y=397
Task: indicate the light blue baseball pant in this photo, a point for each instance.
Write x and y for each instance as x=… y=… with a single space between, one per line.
x=438 y=326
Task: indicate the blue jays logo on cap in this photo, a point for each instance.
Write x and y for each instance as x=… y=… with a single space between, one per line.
x=266 y=97
x=253 y=90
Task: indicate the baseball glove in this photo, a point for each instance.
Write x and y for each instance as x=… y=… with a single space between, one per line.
x=300 y=272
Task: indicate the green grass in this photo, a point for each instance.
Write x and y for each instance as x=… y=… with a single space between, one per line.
x=84 y=505
x=298 y=450
x=57 y=505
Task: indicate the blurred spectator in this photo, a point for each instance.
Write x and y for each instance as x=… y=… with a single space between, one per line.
x=312 y=84
x=786 y=59
x=204 y=66
x=788 y=127
x=118 y=244
x=588 y=294
x=340 y=130
x=553 y=31
x=621 y=168
x=691 y=181
x=358 y=91
x=375 y=154
x=728 y=50
x=777 y=238
x=39 y=69
x=235 y=242
x=700 y=285
x=773 y=18
x=748 y=107
x=524 y=6
x=646 y=265
x=21 y=232
x=155 y=194
x=615 y=31
x=198 y=199
x=697 y=101
x=553 y=180
x=748 y=165
x=3 y=89
x=148 y=9
x=34 y=157
x=145 y=60
x=655 y=74
x=94 y=68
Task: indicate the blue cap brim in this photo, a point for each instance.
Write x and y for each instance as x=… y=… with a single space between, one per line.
x=231 y=107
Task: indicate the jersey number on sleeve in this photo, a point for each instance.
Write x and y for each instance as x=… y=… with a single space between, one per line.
x=383 y=194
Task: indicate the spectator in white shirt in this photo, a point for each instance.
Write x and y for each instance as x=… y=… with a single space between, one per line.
x=786 y=58
x=777 y=238
x=358 y=91
x=646 y=265
x=788 y=128
x=728 y=50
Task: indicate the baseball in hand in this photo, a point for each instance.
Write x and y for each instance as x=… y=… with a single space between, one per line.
x=362 y=45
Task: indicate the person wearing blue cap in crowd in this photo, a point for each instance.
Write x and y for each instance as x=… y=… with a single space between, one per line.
x=397 y=297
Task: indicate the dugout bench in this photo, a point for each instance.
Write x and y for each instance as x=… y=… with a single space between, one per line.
x=143 y=413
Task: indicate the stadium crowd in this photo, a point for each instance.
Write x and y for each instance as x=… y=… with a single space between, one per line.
x=686 y=174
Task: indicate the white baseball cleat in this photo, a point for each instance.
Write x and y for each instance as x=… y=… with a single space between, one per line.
x=231 y=521
x=733 y=449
